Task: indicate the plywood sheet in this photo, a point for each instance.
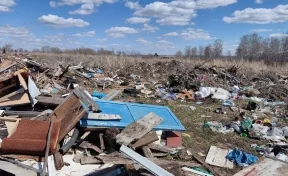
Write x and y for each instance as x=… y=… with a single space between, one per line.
x=217 y=157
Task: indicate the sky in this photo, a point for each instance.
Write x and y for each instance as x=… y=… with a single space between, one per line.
x=144 y=26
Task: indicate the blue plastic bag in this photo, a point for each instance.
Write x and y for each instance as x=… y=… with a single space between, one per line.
x=241 y=158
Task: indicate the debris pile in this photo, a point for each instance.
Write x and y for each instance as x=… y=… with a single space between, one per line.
x=59 y=121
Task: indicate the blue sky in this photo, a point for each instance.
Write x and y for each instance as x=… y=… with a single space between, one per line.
x=145 y=25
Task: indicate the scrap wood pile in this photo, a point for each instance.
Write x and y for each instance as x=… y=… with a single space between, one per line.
x=54 y=122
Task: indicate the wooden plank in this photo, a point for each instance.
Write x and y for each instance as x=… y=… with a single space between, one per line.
x=68 y=113
x=217 y=157
x=109 y=138
x=100 y=116
x=50 y=101
x=115 y=159
x=86 y=99
x=102 y=146
x=90 y=160
x=111 y=95
x=22 y=113
x=87 y=145
x=138 y=129
x=145 y=140
x=161 y=148
x=8 y=87
x=15 y=100
x=58 y=159
x=7 y=97
x=206 y=166
x=265 y=167
x=22 y=81
x=6 y=68
x=147 y=152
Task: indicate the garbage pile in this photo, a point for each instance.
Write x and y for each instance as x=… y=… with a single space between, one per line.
x=58 y=121
x=52 y=125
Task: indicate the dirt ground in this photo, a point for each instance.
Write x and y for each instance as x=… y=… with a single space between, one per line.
x=201 y=138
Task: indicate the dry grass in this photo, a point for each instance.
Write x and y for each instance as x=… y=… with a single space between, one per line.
x=110 y=63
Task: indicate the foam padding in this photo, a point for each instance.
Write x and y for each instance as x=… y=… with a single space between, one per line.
x=30 y=138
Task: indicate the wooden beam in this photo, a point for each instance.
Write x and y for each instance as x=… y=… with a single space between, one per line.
x=138 y=129
x=50 y=101
x=145 y=140
x=111 y=95
x=90 y=160
x=160 y=148
x=22 y=81
x=86 y=99
x=147 y=152
x=8 y=87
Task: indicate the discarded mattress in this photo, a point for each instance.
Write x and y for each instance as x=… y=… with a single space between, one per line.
x=130 y=112
x=30 y=138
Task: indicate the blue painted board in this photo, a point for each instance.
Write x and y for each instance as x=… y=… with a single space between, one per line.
x=131 y=112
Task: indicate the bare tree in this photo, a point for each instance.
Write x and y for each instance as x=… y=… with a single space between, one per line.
x=188 y=51
x=285 y=43
x=217 y=48
x=201 y=51
x=208 y=51
x=179 y=53
x=194 y=52
x=8 y=47
x=45 y=49
x=275 y=45
x=229 y=53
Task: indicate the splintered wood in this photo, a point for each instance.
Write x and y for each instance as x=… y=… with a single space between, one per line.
x=138 y=129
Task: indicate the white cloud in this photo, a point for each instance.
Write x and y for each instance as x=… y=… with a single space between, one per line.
x=75 y=2
x=102 y=40
x=175 y=11
x=258 y=1
x=85 y=9
x=15 y=32
x=174 y=20
x=148 y=28
x=135 y=20
x=53 y=4
x=171 y=34
x=5 y=5
x=261 y=30
x=99 y=46
x=278 y=35
x=164 y=44
x=85 y=34
x=178 y=12
x=133 y=5
x=259 y=15
x=211 y=4
x=118 y=32
x=60 y=22
x=191 y=34
x=143 y=41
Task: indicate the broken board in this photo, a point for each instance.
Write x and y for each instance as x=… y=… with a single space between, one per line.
x=100 y=116
x=138 y=129
x=265 y=167
x=18 y=99
x=130 y=112
x=217 y=157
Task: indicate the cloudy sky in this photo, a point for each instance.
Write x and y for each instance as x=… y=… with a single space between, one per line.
x=145 y=25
